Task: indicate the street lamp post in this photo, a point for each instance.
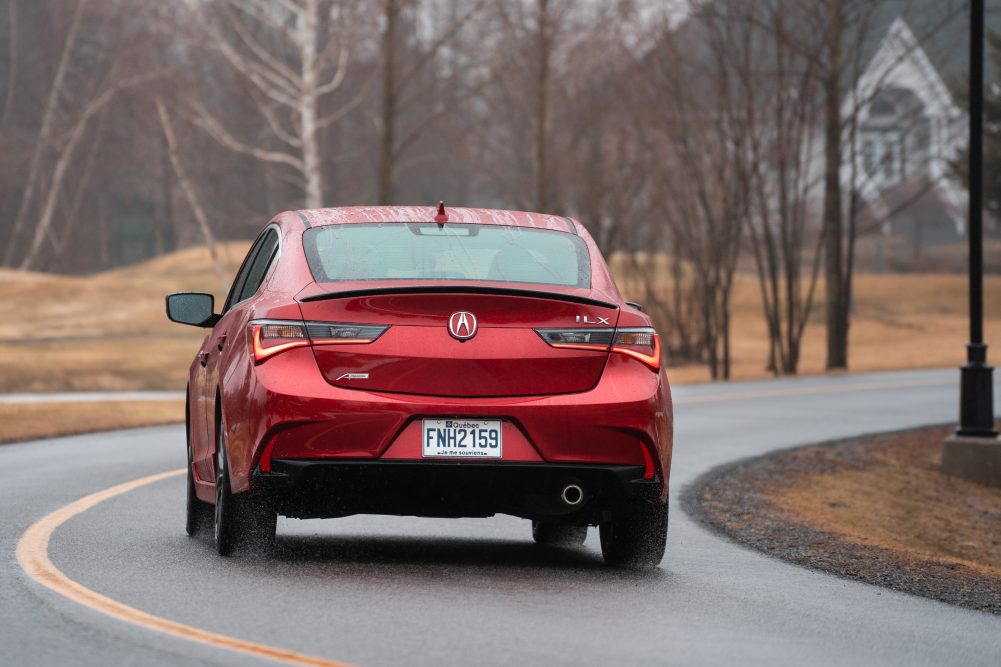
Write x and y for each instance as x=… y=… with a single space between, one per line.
x=973 y=452
x=976 y=398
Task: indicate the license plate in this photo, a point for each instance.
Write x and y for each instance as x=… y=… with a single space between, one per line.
x=461 y=438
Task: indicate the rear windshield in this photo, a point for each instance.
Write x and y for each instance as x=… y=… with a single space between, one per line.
x=419 y=251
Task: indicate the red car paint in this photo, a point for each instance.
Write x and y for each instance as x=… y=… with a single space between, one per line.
x=558 y=405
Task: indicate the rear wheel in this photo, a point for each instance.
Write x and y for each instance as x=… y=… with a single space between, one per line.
x=245 y=520
x=552 y=534
x=636 y=536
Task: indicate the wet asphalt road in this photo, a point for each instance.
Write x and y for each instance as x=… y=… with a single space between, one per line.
x=405 y=591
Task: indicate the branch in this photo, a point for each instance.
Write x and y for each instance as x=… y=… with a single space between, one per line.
x=339 y=74
x=255 y=73
x=41 y=139
x=408 y=76
x=415 y=134
x=290 y=77
x=276 y=126
x=332 y=118
x=66 y=154
x=255 y=11
x=215 y=129
x=189 y=192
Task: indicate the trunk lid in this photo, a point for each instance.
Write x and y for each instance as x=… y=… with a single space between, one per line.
x=419 y=355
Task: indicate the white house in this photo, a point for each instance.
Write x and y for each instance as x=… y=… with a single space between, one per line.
x=909 y=129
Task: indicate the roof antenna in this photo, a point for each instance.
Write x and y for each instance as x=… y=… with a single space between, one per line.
x=442 y=217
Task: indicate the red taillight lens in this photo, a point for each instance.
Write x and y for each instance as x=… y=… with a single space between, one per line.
x=269 y=337
x=336 y=333
x=577 y=339
x=265 y=462
x=641 y=343
x=648 y=468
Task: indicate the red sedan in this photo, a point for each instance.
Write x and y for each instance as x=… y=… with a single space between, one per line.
x=424 y=362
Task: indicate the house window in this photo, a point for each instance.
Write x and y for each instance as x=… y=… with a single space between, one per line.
x=868 y=157
x=889 y=159
x=896 y=128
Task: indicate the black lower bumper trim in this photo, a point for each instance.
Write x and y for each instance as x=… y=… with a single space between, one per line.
x=315 y=488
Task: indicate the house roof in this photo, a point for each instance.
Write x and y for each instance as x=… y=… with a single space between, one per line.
x=901 y=60
x=941 y=27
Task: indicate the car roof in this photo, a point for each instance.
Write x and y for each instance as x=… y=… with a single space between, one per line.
x=319 y=217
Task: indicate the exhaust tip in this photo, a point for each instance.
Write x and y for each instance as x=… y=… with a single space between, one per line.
x=572 y=495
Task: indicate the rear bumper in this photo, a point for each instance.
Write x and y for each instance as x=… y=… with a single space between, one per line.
x=325 y=489
x=288 y=412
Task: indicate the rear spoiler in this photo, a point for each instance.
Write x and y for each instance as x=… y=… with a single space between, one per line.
x=460 y=289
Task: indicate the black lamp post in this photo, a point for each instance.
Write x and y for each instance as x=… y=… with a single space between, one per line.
x=976 y=397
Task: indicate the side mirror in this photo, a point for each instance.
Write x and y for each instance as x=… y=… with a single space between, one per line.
x=194 y=308
x=635 y=305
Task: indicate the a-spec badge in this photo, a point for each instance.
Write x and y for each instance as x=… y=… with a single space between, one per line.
x=462 y=325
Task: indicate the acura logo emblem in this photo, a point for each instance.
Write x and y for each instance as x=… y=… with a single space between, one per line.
x=462 y=325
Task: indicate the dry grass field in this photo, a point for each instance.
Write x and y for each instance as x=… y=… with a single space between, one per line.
x=40 y=420
x=109 y=331
x=900 y=321
x=106 y=331
x=890 y=492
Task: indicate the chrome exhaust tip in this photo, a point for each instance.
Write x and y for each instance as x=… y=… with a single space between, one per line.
x=572 y=495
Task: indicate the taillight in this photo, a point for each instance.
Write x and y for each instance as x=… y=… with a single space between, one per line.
x=269 y=337
x=648 y=468
x=577 y=339
x=332 y=333
x=641 y=343
x=265 y=462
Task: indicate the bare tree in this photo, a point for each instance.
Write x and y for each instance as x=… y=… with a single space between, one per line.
x=295 y=54
x=412 y=82
x=66 y=153
x=783 y=89
x=847 y=26
x=43 y=139
x=698 y=133
x=189 y=192
x=89 y=75
x=837 y=315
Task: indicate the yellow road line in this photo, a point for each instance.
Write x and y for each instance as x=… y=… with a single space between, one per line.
x=33 y=556
x=802 y=391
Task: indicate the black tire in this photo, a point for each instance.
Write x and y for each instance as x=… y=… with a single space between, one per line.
x=243 y=521
x=636 y=536
x=551 y=534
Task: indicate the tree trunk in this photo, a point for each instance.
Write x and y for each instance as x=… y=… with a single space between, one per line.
x=387 y=142
x=189 y=193
x=837 y=338
x=542 y=107
x=309 y=132
x=44 y=223
x=725 y=324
